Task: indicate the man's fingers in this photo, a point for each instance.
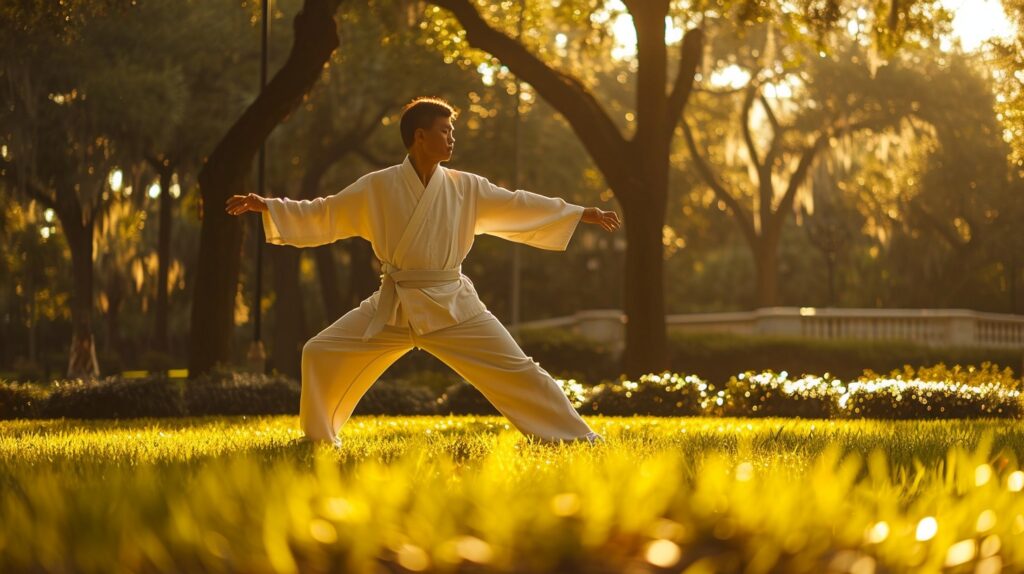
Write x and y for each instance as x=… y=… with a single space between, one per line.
x=237 y=204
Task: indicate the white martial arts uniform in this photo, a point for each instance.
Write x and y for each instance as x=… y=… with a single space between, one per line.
x=421 y=236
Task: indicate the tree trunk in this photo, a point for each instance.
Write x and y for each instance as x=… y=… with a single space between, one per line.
x=330 y=286
x=289 y=333
x=164 y=258
x=766 y=263
x=82 y=361
x=115 y=297
x=362 y=281
x=646 y=340
x=224 y=174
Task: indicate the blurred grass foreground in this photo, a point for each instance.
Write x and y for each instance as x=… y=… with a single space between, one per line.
x=469 y=494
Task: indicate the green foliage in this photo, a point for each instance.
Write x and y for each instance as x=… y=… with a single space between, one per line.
x=396 y=398
x=932 y=392
x=463 y=398
x=115 y=398
x=241 y=394
x=716 y=357
x=668 y=394
x=770 y=395
x=571 y=356
x=20 y=400
x=936 y=392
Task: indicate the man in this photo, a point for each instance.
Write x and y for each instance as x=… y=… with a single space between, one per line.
x=421 y=219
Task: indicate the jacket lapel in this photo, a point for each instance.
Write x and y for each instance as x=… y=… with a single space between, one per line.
x=419 y=214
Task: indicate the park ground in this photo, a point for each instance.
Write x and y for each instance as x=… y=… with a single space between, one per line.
x=470 y=494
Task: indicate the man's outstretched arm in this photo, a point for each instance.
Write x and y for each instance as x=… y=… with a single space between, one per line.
x=308 y=223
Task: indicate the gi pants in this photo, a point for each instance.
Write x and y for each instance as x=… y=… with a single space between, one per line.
x=338 y=367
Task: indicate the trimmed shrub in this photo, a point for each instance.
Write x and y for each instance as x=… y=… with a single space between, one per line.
x=934 y=392
x=396 y=398
x=718 y=356
x=20 y=400
x=570 y=356
x=667 y=394
x=114 y=397
x=242 y=394
x=776 y=395
x=463 y=398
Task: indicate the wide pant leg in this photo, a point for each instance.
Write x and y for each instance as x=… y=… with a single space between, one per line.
x=483 y=352
x=338 y=367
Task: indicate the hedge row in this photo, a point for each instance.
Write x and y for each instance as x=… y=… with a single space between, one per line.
x=934 y=392
x=717 y=356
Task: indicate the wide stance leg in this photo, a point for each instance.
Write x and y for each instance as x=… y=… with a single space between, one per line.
x=338 y=368
x=482 y=351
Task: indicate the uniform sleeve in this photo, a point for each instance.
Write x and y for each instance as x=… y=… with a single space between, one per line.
x=524 y=217
x=308 y=223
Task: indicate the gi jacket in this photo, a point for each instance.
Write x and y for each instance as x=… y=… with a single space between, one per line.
x=428 y=229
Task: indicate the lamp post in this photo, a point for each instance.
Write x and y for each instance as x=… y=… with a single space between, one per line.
x=517 y=258
x=257 y=356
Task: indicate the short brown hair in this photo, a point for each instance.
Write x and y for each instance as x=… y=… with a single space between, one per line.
x=421 y=114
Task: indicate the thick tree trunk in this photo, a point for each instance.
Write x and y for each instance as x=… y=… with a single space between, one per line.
x=362 y=281
x=224 y=174
x=115 y=298
x=766 y=263
x=646 y=340
x=330 y=286
x=82 y=361
x=164 y=260
x=289 y=333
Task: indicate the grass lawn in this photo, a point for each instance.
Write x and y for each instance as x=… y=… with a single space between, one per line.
x=468 y=494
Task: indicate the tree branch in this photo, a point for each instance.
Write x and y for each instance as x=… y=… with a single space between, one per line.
x=748 y=138
x=719 y=92
x=797 y=179
x=709 y=176
x=31 y=188
x=949 y=235
x=774 y=121
x=569 y=96
x=316 y=38
x=324 y=157
x=777 y=134
x=371 y=157
x=690 y=57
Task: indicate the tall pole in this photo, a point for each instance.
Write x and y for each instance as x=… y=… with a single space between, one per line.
x=257 y=354
x=517 y=257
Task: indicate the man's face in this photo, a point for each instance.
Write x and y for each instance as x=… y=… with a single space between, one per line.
x=439 y=141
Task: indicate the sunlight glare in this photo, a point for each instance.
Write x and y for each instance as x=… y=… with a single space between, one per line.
x=731 y=76
x=975 y=21
x=116 y=180
x=486 y=74
x=927 y=528
x=624 y=32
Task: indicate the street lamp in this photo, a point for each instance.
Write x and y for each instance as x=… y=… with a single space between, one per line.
x=257 y=354
x=517 y=258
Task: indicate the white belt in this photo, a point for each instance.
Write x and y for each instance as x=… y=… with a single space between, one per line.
x=393 y=279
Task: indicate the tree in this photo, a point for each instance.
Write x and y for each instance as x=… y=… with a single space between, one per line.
x=636 y=168
x=828 y=100
x=224 y=175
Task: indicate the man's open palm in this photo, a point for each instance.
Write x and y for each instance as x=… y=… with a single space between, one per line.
x=239 y=204
x=608 y=220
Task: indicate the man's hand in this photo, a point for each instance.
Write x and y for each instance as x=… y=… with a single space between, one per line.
x=239 y=204
x=609 y=220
